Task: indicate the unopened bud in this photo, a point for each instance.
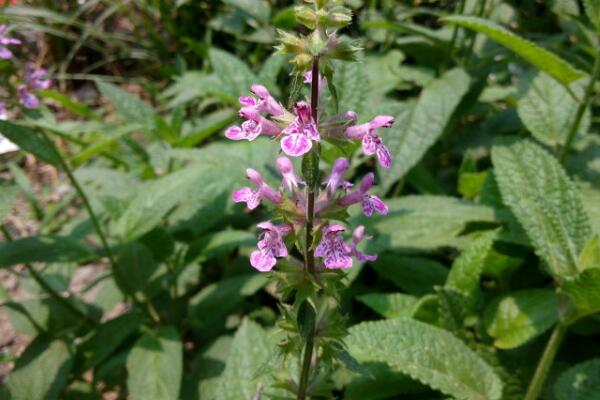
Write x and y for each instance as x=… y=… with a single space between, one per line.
x=306 y=16
x=289 y=43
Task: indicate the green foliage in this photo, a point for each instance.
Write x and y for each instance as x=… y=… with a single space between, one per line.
x=580 y=382
x=30 y=141
x=44 y=249
x=390 y=305
x=584 y=291
x=428 y=354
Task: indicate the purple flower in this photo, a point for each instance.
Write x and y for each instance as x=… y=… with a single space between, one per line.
x=290 y=179
x=336 y=180
x=371 y=142
x=253 y=197
x=370 y=203
x=5 y=53
x=3 y=112
x=332 y=248
x=34 y=78
x=266 y=102
x=357 y=237
x=300 y=133
x=270 y=246
x=254 y=126
x=26 y=98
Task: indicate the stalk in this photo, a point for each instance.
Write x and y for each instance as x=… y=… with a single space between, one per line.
x=309 y=252
x=581 y=109
x=452 y=49
x=541 y=372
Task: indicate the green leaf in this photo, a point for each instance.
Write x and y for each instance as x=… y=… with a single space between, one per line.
x=203 y=379
x=545 y=201
x=382 y=383
x=8 y=193
x=415 y=275
x=543 y=59
x=155 y=365
x=208 y=309
x=306 y=319
x=270 y=70
x=258 y=9
x=516 y=318
x=421 y=123
x=251 y=348
x=390 y=305
x=351 y=85
x=584 y=291
x=129 y=107
x=136 y=271
x=42 y=370
x=580 y=382
x=44 y=249
x=592 y=10
x=590 y=255
x=548 y=110
x=428 y=222
x=236 y=78
x=191 y=85
x=31 y=141
x=465 y=274
x=216 y=244
x=428 y=354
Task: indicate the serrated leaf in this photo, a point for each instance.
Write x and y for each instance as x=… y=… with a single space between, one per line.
x=543 y=59
x=428 y=222
x=42 y=370
x=419 y=126
x=44 y=249
x=548 y=110
x=592 y=10
x=415 y=275
x=390 y=305
x=545 y=201
x=431 y=355
x=382 y=383
x=155 y=365
x=514 y=319
x=584 y=291
x=235 y=76
x=351 y=85
x=31 y=141
x=580 y=382
x=129 y=107
x=251 y=348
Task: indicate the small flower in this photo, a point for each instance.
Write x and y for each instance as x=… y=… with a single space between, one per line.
x=286 y=168
x=335 y=180
x=5 y=53
x=34 y=78
x=332 y=248
x=357 y=237
x=254 y=126
x=270 y=246
x=370 y=203
x=26 y=98
x=266 y=102
x=371 y=141
x=300 y=133
x=253 y=197
x=3 y=112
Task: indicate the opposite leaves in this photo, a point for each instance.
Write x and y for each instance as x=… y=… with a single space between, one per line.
x=545 y=202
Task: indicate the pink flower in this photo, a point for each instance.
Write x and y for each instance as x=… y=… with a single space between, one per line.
x=300 y=133
x=26 y=98
x=286 y=168
x=371 y=142
x=253 y=197
x=5 y=53
x=254 y=126
x=3 y=112
x=357 y=237
x=335 y=180
x=332 y=248
x=34 y=78
x=370 y=203
x=266 y=102
x=270 y=246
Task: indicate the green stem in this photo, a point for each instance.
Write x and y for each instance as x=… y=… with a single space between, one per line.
x=581 y=109
x=48 y=289
x=473 y=35
x=541 y=372
x=452 y=49
x=305 y=371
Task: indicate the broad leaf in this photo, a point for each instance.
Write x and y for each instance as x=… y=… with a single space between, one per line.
x=216 y=244
x=514 y=319
x=420 y=124
x=251 y=348
x=155 y=366
x=580 y=382
x=44 y=249
x=351 y=85
x=543 y=59
x=415 y=275
x=204 y=377
x=31 y=141
x=42 y=370
x=390 y=305
x=584 y=291
x=136 y=271
x=548 y=110
x=129 y=107
x=427 y=222
x=235 y=76
x=592 y=10
x=431 y=355
x=545 y=201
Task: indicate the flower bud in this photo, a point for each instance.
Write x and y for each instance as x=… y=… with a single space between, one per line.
x=289 y=43
x=341 y=49
x=306 y=16
x=302 y=61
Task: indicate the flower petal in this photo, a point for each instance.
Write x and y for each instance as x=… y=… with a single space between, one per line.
x=296 y=144
x=262 y=260
x=384 y=156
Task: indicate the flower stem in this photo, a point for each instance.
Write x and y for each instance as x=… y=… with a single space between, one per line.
x=541 y=372
x=309 y=256
x=452 y=47
x=581 y=109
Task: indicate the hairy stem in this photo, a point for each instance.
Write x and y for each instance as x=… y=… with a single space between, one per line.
x=581 y=109
x=541 y=372
x=309 y=256
x=49 y=290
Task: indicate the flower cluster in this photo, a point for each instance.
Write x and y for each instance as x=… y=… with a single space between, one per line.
x=297 y=131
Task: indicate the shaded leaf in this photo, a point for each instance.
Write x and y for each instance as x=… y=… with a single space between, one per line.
x=44 y=249
x=580 y=382
x=415 y=275
x=129 y=107
x=31 y=141
x=584 y=291
x=235 y=76
x=390 y=305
